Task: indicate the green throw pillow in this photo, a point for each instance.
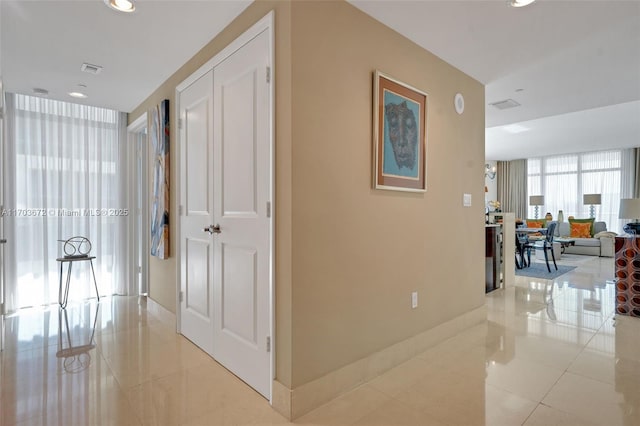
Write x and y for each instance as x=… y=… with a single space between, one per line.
x=542 y=222
x=590 y=220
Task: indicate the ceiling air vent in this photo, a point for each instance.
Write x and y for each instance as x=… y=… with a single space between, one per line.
x=506 y=104
x=90 y=68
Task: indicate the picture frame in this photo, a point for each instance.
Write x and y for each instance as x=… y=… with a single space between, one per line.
x=399 y=135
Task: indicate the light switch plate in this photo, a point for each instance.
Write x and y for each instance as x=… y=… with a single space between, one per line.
x=466 y=200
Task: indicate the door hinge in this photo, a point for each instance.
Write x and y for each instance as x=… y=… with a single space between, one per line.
x=181 y=297
x=268 y=74
x=180 y=210
x=179 y=123
x=268 y=208
x=268 y=343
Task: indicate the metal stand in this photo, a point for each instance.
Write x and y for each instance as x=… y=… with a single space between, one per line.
x=63 y=301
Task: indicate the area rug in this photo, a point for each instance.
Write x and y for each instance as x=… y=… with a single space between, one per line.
x=539 y=270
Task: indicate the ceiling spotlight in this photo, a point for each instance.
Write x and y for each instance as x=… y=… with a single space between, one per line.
x=121 y=5
x=40 y=91
x=520 y=3
x=77 y=95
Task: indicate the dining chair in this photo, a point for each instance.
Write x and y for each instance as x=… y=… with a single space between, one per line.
x=522 y=240
x=547 y=245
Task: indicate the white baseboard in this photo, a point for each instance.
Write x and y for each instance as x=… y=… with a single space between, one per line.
x=163 y=314
x=293 y=403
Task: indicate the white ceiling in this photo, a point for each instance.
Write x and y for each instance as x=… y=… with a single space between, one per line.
x=44 y=43
x=577 y=61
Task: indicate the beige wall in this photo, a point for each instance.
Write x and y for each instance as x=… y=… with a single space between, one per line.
x=347 y=256
x=358 y=253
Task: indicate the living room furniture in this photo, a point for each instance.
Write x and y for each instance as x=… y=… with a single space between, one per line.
x=546 y=246
x=557 y=252
x=601 y=244
x=522 y=239
x=76 y=249
x=627 y=271
x=564 y=243
x=492 y=258
x=630 y=209
x=70 y=261
x=505 y=237
x=592 y=200
x=537 y=201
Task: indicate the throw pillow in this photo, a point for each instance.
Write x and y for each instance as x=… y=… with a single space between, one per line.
x=589 y=221
x=536 y=223
x=580 y=230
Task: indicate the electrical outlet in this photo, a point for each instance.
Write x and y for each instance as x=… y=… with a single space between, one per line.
x=466 y=200
x=414 y=300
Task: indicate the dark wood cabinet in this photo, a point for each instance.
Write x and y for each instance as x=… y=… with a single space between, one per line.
x=493 y=257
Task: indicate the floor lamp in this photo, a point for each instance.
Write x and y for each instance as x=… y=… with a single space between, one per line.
x=536 y=200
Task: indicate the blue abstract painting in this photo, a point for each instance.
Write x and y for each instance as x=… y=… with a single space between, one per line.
x=160 y=208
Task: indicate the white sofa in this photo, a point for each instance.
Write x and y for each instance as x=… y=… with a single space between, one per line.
x=602 y=243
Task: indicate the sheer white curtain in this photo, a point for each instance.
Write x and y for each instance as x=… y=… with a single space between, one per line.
x=66 y=176
x=564 y=179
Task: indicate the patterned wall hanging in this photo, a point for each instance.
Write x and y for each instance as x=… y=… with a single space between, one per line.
x=160 y=207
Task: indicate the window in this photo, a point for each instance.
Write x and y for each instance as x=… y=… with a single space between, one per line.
x=564 y=179
x=65 y=178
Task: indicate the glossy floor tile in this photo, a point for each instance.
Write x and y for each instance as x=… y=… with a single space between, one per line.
x=549 y=353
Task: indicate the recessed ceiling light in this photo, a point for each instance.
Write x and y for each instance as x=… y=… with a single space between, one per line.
x=41 y=92
x=515 y=128
x=520 y=3
x=121 y=5
x=77 y=95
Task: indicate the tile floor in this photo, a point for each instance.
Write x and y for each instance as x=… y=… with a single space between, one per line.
x=550 y=353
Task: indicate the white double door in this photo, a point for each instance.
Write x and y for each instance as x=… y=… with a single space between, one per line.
x=225 y=197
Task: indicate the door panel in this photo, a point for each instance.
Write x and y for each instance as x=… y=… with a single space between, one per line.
x=198 y=197
x=238 y=100
x=197 y=292
x=239 y=293
x=196 y=201
x=242 y=182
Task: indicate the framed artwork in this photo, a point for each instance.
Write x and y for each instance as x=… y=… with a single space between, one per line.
x=160 y=209
x=399 y=135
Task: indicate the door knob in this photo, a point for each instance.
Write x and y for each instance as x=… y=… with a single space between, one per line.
x=3 y=241
x=213 y=229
